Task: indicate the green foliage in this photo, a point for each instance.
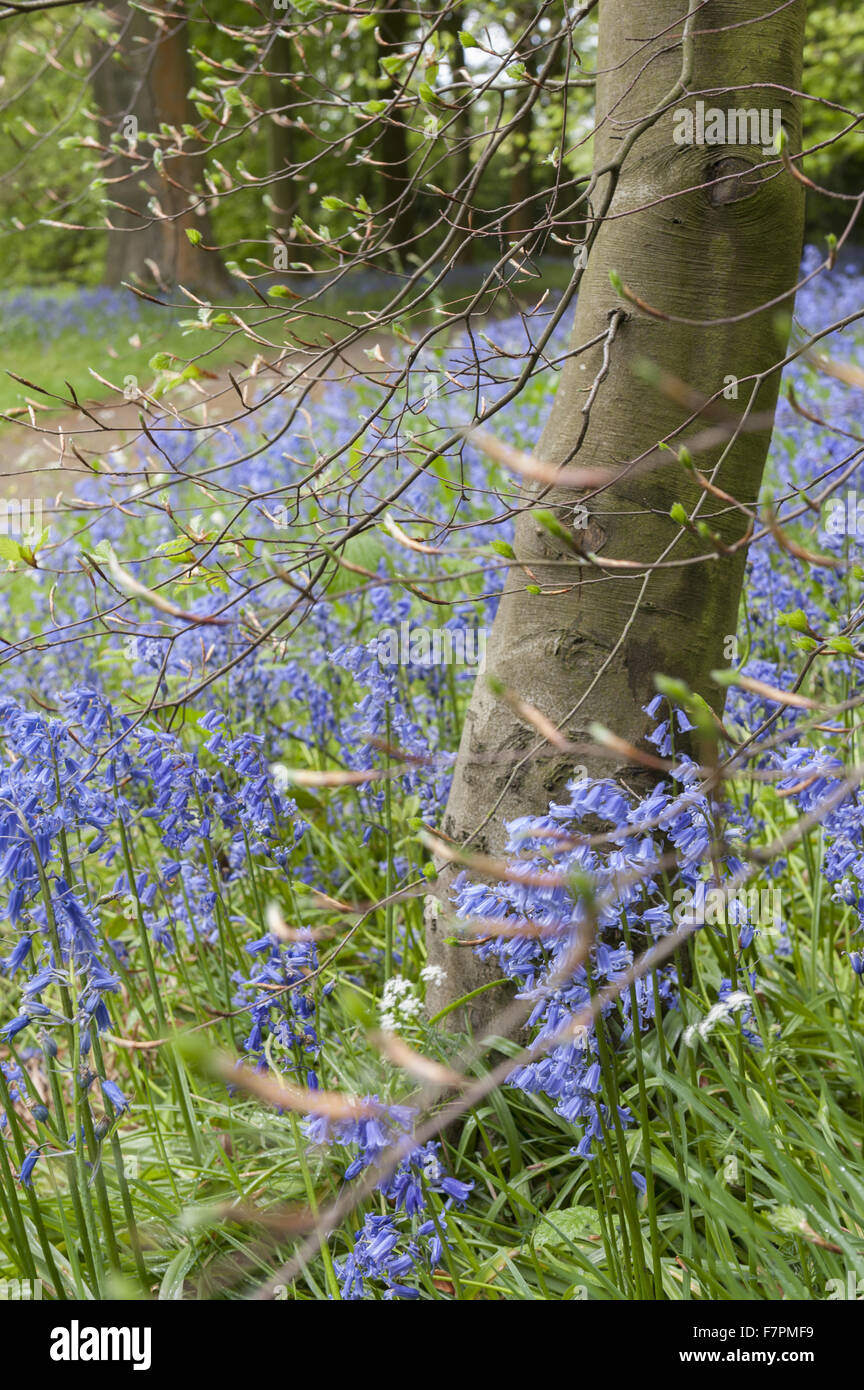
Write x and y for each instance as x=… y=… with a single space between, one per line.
x=834 y=75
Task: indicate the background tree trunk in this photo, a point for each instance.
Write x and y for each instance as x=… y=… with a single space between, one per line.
x=391 y=150
x=461 y=127
x=146 y=76
x=696 y=252
x=524 y=212
x=285 y=190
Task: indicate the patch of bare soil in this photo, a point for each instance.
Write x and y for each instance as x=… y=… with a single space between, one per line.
x=46 y=456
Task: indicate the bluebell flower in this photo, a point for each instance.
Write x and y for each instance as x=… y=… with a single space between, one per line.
x=11 y=1029
x=18 y=955
x=118 y=1101
x=25 y=1177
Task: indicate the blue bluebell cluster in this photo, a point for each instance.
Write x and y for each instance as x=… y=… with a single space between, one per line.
x=114 y=819
x=50 y=316
x=388 y=1249
x=620 y=922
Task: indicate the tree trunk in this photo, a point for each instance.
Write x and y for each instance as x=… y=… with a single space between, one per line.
x=141 y=82
x=284 y=190
x=391 y=149
x=697 y=252
x=460 y=131
x=523 y=211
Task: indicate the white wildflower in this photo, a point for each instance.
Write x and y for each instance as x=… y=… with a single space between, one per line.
x=737 y=1000
x=400 y=1004
x=433 y=975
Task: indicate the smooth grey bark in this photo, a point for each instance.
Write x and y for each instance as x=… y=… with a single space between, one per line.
x=693 y=251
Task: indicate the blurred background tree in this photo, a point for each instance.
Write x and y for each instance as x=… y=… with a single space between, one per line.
x=326 y=99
